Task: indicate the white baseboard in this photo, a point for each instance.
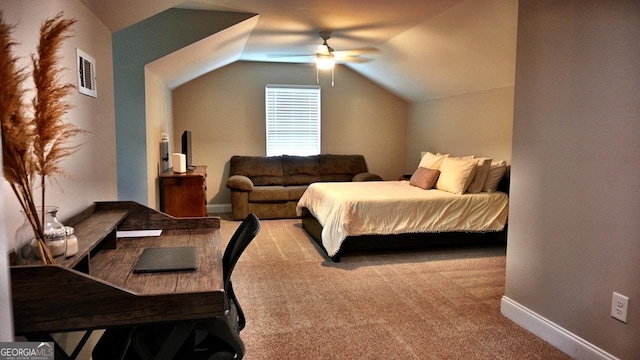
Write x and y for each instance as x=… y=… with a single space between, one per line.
x=567 y=342
x=218 y=208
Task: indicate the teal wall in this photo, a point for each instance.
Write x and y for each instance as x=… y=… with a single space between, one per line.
x=133 y=48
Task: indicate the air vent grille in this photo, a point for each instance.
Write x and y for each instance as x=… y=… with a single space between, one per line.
x=86 y=74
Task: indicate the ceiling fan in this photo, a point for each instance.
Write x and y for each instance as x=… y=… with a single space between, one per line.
x=326 y=57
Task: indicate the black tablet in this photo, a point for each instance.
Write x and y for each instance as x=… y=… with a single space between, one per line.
x=167 y=259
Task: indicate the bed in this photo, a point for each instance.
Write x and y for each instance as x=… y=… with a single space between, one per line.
x=392 y=214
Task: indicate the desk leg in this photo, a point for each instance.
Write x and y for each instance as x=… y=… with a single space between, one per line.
x=175 y=340
x=60 y=354
x=83 y=341
x=127 y=343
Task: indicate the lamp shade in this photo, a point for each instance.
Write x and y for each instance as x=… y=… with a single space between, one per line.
x=325 y=62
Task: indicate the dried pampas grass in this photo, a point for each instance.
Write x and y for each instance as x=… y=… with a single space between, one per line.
x=33 y=147
x=52 y=134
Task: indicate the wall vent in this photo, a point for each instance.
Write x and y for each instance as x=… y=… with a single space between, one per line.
x=86 y=74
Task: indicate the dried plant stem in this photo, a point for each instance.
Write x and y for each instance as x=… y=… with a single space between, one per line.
x=16 y=133
x=52 y=134
x=34 y=147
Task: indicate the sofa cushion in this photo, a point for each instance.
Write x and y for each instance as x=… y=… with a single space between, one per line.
x=261 y=170
x=336 y=177
x=342 y=164
x=272 y=193
x=296 y=191
x=300 y=170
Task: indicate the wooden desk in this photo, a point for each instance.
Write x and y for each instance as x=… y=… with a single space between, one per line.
x=97 y=289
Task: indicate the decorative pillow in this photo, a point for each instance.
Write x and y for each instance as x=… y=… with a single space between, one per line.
x=456 y=175
x=424 y=178
x=496 y=173
x=432 y=161
x=482 y=171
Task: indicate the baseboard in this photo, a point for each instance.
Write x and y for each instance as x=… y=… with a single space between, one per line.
x=218 y=208
x=567 y=342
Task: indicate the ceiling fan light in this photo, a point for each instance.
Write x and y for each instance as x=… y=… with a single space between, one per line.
x=325 y=62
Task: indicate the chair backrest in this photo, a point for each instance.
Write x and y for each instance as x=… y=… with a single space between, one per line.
x=245 y=233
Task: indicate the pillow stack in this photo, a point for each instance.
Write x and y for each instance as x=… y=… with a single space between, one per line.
x=497 y=171
x=432 y=161
x=458 y=175
x=483 y=168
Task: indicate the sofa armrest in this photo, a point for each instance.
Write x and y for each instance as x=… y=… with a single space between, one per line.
x=240 y=183
x=367 y=176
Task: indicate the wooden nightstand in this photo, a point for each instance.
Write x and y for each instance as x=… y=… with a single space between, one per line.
x=184 y=194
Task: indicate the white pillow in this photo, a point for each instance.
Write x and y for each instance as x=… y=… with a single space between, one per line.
x=432 y=161
x=466 y=157
x=496 y=173
x=482 y=171
x=456 y=175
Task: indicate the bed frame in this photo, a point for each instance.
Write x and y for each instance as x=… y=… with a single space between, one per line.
x=399 y=241
x=406 y=241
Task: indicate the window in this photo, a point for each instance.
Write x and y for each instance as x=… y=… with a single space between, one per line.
x=293 y=120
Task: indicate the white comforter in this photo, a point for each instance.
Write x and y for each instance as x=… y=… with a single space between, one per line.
x=395 y=207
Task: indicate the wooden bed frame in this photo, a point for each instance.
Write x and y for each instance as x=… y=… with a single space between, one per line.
x=407 y=241
x=399 y=241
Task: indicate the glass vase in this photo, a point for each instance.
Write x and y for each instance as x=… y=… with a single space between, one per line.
x=27 y=249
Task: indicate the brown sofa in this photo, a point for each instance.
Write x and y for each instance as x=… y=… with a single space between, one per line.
x=270 y=187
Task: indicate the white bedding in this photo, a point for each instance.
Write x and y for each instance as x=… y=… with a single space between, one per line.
x=395 y=207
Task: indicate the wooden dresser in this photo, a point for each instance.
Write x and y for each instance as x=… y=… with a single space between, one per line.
x=184 y=194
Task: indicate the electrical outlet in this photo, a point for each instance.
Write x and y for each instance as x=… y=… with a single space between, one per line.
x=619 y=307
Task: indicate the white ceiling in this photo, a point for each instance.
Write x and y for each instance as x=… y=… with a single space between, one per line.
x=430 y=48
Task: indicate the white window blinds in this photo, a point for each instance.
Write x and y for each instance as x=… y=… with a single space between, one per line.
x=293 y=120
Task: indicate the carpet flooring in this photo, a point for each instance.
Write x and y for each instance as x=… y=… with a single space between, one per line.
x=435 y=303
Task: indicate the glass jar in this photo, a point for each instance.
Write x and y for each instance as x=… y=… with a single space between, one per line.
x=72 y=241
x=27 y=249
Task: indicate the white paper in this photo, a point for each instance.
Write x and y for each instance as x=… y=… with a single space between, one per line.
x=138 y=233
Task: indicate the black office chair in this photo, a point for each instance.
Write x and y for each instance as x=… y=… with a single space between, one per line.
x=214 y=339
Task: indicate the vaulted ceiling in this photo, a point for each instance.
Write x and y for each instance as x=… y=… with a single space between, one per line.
x=429 y=48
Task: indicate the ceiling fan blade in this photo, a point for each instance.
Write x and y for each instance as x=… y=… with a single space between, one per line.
x=359 y=51
x=289 y=55
x=353 y=59
x=325 y=51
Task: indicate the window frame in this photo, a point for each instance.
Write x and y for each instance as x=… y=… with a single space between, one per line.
x=285 y=121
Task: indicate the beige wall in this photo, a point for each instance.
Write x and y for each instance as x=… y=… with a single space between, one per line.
x=225 y=112
x=478 y=123
x=575 y=190
x=92 y=169
x=158 y=106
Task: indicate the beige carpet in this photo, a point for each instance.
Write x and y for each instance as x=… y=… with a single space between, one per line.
x=439 y=303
